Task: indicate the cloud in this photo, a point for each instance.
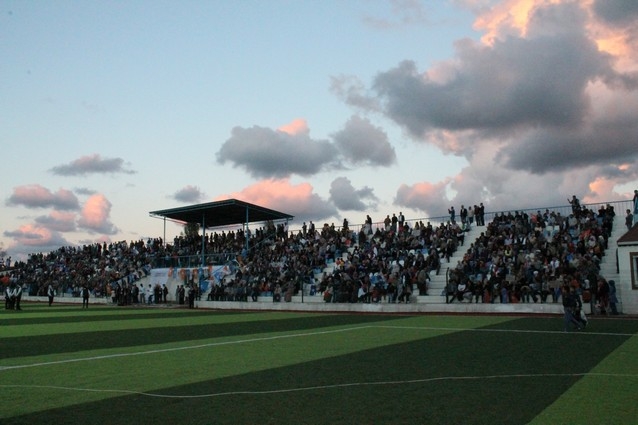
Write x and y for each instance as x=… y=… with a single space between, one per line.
x=347 y=198
x=362 y=143
x=276 y=154
x=91 y=164
x=188 y=194
x=58 y=221
x=36 y=196
x=602 y=140
x=517 y=83
x=352 y=91
x=279 y=194
x=617 y=12
x=401 y=14
x=541 y=91
x=84 y=191
x=31 y=238
x=95 y=215
x=424 y=196
x=297 y=126
x=503 y=189
x=264 y=152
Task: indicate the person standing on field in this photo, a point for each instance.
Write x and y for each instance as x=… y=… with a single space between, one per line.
x=17 y=293
x=85 y=297
x=50 y=294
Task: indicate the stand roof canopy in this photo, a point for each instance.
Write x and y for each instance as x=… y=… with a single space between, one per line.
x=221 y=213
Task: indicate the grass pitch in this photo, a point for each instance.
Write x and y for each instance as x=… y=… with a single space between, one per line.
x=110 y=365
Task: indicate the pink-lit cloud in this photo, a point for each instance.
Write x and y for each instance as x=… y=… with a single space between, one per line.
x=37 y=196
x=298 y=200
x=297 y=126
x=431 y=198
x=95 y=215
x=30 y=238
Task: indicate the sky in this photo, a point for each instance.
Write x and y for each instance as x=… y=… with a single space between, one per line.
x=322 y=110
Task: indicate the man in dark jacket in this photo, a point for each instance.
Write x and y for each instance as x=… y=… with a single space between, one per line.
x=570 y=305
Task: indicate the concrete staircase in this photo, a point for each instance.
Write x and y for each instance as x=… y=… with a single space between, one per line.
x=438 y=281
x=608 y=264
x=435 y=301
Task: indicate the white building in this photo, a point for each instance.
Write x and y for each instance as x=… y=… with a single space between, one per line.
x=628 y=271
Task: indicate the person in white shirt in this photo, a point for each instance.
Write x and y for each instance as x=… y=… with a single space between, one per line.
x=50 y=294
x=149 y=294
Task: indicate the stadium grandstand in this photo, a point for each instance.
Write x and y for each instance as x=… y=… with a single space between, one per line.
x=250 y=257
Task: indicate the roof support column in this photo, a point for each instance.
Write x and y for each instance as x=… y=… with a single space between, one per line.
x=203 y=240
x=246 y=230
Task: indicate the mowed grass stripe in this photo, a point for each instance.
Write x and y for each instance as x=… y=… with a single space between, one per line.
x=151 y=332
x=535 y=369
x=152 y=372
x=436 y=324
x=613 y=396
x=94 y=314
x=161 y=318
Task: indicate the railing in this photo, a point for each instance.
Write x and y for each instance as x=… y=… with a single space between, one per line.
x=191 y=261
x=564 y=210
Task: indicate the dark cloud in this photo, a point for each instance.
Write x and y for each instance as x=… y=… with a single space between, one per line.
x=362 y=143
x=36 y=196
x=517 y=82
x=91 y=164
x=537 y=94
x=264 y=152
x=617 y=12
x=84 y=191
x=188 y=194
x=613 y=140
x=313 y=207
x=347 y=198
x=56 y=221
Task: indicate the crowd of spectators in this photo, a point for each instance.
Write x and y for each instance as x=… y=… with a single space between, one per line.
x=518 y=258
x=536 y=258
x=97 y=265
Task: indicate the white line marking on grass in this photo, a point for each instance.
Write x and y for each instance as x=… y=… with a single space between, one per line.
x=271 y=338
x=324 y=387
x=531 y=331
x=189 y=347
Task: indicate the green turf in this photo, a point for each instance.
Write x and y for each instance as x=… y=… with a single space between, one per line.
x=131 y=366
